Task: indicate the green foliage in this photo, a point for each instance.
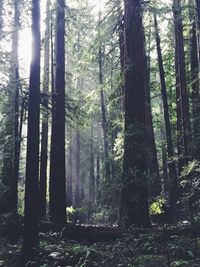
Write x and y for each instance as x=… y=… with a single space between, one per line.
x=157 y=206
x=11 y=225
x=190 y=182
x=4 y=198
x=75 y=214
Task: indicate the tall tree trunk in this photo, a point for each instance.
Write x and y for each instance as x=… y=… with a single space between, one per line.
x=11 y=143
x=173 y=180
x=32 y=158
x=69 y=171
x=198 y=11
x=165 y=180
x=195 y=90
x=104 y=119
x=57 y=160
x=77 y=181
x=92 y=177
x=134 y=195
x=152 y=160
x=16 y=151
x=97 y=172
x=44 y=135
x=198 y=29
x=1 y=18
x=183 y=120
x=103 y=107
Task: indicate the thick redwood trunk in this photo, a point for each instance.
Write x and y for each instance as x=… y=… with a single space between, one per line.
x=134 y=196
x=183 y=120
x=32 y=157
x=57 y=160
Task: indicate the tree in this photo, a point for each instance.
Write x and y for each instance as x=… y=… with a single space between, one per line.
x=11 y=148
x=173 y=182
x=134 y=196
x=152 y=160
x=92 y=176
x=57 y=160
x=44 y=135
x=1 y=18
x=183 y=118
x=77 y=160
x=103 y=107
x=198 y=11
x=30 y=238
x=17 y=136
x=69 y=173
x=195 y=87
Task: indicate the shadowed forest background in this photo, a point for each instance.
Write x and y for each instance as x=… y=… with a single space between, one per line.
x=100 y=133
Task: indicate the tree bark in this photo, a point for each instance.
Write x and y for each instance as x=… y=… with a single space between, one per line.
x=44 y=135
x=1 y=18
x=198 y=11
x=17 y=137
x=195 y=89
x=57 y=160
x=32 y=158
x=92 y=177
x=152 y=160
x=77 y=182
x=134 y=195
x=173 y=179
x=183 y=120
x=97 y=172
x=69 y=171
x=103 y=108
x=104 y=120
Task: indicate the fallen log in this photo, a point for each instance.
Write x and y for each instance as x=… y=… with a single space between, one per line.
x=90 y=233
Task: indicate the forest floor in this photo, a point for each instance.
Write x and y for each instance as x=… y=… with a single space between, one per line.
x=163 y=247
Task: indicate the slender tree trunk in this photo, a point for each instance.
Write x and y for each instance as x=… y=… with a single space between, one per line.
x=104 y=119
x=57 y=160
x=11 y=147
x=195 y=91
x=198 y=30
x=164 y=152
x=44 y=135
x=183 y=120
x=69 y=171
x=97 y=172
x=198 y=11
x=92 y=178
x=77 y=182
x=32 y=158
x=173 y=180
x=134 y=195
x=103 y=107
x=152 y=160
x=16 y=151
x=1 y=18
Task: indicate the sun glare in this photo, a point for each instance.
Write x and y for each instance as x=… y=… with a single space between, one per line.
x=25 y=42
